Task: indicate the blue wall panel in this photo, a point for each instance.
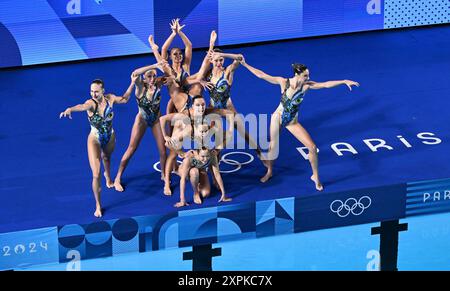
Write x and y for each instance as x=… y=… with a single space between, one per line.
x=46 y=31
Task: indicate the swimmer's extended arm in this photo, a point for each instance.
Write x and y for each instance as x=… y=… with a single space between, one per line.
x=88 y=105
x=237 y=58
x=187 y=48
x=331 y=84
x=216 y=173
x=260 y=74
x=126 y=96
x=169 y=40
x=142 y=70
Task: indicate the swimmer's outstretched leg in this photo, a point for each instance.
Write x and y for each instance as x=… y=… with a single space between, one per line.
x=272 y=155
x=137 y=132
x=172 y=109
x=94 y=153
x=303 y=136
x=106 y=157
x=159 y=138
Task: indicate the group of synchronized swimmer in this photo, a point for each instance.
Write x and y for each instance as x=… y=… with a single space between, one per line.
x=186 y=112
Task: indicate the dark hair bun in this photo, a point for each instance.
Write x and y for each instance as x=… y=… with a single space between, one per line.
x=299 y=68
x=98 y=82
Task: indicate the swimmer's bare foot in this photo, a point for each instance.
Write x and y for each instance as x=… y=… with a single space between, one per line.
x=319 y=186
x=181 y=204
x=162 y=177
x=224 y=198
x=266 y=177
x=117 y=185
x=167 y=190
x=98 y=212
x=109 y=182
x=197 y=199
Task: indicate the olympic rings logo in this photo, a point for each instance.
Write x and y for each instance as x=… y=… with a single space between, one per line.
x=156 y=166
x=238 y=165
x=351 y=205
x=226 y=160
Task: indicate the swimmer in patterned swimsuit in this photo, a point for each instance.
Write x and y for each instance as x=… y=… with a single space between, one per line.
x=179 y=95
x=148 y=97
x=188 y=125
x=180 y=64
x=194 y=167
x=286 y=115
x=220 y=79
x=101 y=139
x=182 y=101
